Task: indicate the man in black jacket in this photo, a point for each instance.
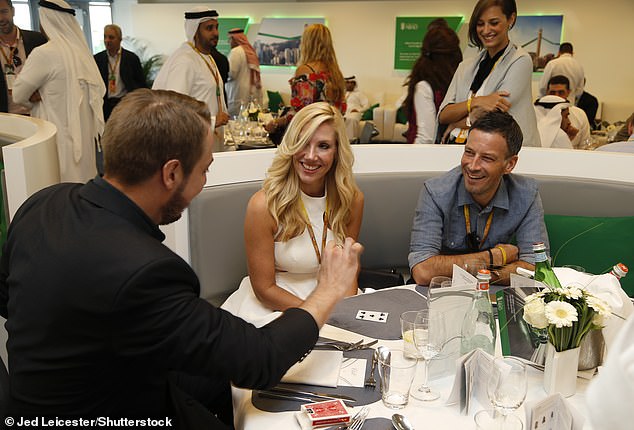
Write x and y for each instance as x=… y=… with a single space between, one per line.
x=16 y=45
x=120 y=69
x=106 y=321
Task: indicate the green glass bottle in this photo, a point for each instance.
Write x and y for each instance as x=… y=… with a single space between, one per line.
x=543 y=272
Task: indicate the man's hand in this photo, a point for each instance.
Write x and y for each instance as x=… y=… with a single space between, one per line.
x=337 y=278
x=339 y=267
x=35 y=97
x=222 y=118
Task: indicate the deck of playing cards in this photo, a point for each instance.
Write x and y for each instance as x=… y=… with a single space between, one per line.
x=323 y=414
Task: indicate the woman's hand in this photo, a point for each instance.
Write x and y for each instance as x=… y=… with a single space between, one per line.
x=494 y=101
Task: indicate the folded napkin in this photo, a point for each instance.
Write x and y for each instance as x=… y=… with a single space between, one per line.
x=320 y=367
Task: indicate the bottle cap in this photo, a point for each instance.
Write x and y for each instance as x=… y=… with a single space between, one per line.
x=539 y=246
x=620 y=269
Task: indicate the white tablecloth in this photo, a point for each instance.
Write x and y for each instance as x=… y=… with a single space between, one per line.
x=423 y=415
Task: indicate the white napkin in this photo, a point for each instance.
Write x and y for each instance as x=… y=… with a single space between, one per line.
x=320 y=367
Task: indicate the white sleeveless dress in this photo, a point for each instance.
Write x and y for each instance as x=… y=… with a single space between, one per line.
x=296 y=268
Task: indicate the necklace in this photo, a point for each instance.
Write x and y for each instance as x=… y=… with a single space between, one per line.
x=311 y=232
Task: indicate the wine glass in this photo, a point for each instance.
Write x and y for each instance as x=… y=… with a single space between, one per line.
x=437 y=282
x=506 y=388
x=429 y=337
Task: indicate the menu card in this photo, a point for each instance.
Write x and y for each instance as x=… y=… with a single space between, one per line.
x=472 y=372
x=553 y=413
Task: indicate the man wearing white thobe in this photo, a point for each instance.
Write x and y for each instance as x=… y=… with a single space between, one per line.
x=244 y=72
x=191 y=69
x=60 y=82
x=565 y=64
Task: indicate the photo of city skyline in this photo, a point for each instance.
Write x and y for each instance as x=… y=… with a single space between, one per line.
x=278 y=39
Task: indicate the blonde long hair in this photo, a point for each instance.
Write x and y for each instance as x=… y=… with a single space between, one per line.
x=282 y=185
x=316 y=47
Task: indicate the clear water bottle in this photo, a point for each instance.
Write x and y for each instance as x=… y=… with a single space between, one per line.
x=543 y=272
x=619 y=271
x=478 y=326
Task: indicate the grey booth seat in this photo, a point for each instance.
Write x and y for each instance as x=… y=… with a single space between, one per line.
x=216 y=220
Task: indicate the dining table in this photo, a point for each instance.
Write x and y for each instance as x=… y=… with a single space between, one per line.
x=254 y=413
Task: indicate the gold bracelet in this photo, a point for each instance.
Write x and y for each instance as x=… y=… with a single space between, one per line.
x=469 y=104
x=503 y=255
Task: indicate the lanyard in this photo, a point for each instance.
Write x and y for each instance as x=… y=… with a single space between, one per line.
x=9 y=60
x=213 y=70
x=311 y=233
x=112 y=78
x=12 y=50
x=467 y=221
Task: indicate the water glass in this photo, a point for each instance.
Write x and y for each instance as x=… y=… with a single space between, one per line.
x=396 y=372
x=407 y=332
x=489 y=420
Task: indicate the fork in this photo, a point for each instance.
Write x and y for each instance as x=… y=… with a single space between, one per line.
x=371 y=382
x=359 y=419
x=341 y=346
x=356 y=423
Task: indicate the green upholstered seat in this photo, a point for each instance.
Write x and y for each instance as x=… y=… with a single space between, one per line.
x=595 y=243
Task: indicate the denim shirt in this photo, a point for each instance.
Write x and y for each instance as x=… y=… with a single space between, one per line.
x=439 y=223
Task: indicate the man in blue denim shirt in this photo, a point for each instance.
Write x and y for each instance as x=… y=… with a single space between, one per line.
x=474 y=211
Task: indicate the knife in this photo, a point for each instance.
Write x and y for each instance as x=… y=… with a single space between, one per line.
x=297 y=398
x=292 y=391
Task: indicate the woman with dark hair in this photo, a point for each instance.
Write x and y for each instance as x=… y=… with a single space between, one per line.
x=429 y=80
x=498 y=78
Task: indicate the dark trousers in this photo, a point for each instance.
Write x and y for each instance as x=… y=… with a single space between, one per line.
x=108 y=106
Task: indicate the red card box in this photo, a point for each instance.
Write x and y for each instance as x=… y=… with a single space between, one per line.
x=326 y=413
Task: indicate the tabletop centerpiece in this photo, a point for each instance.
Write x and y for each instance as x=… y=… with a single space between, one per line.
x=567 y=314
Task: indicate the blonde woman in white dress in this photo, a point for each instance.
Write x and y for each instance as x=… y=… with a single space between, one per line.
x=308 y=198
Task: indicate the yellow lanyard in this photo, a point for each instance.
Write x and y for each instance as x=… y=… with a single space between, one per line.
x=112 y=78
x=311 y=232
x=213 y=70
x=467 y=222
x=9 y=60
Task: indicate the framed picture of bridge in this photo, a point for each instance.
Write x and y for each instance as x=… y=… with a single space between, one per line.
x=540 y=36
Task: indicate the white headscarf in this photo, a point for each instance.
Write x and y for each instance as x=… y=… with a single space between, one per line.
x=191 y=24
x=63 y=30
x=548 y=112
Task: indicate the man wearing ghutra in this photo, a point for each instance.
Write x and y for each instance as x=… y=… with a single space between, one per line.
x=553 y=123
x=244 y=72
x=191 y=69
x=60 y=82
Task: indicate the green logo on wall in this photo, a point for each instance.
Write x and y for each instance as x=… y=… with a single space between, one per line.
x=410 y=32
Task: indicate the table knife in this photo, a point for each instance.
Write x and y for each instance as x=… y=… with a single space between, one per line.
x=293 y=391
x=297 y=398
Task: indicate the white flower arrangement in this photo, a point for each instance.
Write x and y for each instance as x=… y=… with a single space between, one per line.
x=568 y=314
